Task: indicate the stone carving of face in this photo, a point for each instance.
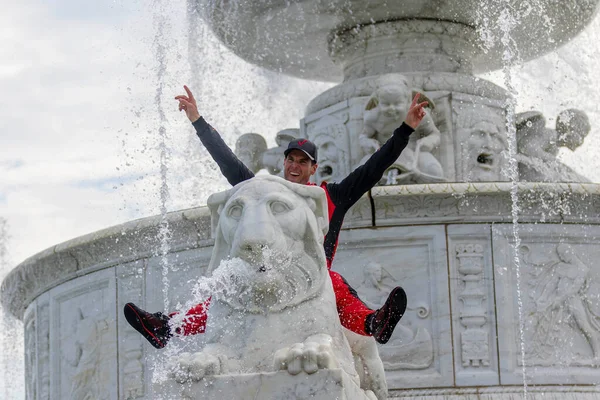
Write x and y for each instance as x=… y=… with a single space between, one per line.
x=374 y=273
x=386 y=107
x=484 y=152
x=572 y=127
x=565 y=252
x=249 y=148
x=272 y=229
x=329 y=158
x=393 y=101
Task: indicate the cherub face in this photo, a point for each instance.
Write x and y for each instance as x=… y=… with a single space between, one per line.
x=565 y=252
x=393 y=102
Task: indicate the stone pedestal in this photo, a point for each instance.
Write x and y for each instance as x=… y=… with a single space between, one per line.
x=322 y=385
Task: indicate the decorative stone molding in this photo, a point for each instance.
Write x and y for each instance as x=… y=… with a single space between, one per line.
x=428 y=82
x=474 y=339
x=404 y=46
x=477 y=202
x=130 y=288
x=109 y=247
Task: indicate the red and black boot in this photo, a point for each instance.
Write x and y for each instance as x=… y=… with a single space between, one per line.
x=154 y=327
x=382 y=322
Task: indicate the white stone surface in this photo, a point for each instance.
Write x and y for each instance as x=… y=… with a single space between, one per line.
x=430 y=262
x=133 y=369
x=322 y=385
x=461 y=138
x=473 y=305
x=83 y=338
x=538 y=146
x=279 y=312
x=419 y=353
x=554 y=296
x=295 y=38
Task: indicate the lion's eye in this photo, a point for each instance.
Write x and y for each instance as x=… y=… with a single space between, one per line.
x=278 y=207
x=235 y=211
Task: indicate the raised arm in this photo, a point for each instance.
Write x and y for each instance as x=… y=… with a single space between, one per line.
x=350 y=189
x=231 y=167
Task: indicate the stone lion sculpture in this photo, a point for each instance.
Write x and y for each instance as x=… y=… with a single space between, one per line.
x=282 y=315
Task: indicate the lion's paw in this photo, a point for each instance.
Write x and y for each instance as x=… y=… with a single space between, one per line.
x=194 y=367
x=315 y=353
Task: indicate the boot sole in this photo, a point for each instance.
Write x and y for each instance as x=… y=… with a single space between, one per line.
x=135 y=320
x=392 y=318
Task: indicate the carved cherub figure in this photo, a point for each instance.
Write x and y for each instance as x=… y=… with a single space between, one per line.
x=538 y=146
x=383 y=113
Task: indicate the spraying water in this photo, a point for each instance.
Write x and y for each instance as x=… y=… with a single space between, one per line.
x=510 y=57
x=11 y=339
x=164 y=232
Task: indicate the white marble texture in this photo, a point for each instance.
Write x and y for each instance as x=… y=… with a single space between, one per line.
x=419 y=353
x=554 y=294
x=473 y=304
x=83 y=338
x=447 y=322
x=322 y=385
x=295 y=37
x=278 y=312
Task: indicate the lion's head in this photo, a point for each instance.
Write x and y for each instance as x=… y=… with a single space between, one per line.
x=276 y=228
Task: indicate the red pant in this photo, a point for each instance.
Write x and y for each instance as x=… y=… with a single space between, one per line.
x=352 y=311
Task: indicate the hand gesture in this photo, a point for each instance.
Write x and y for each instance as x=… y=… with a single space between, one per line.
x=415 y=112
x=188 y=104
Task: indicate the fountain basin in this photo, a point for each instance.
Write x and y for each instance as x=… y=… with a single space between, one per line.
x=300 y=37
x=451 y=246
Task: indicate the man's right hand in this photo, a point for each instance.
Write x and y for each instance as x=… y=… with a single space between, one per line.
x=188 y=104
x=415 y=112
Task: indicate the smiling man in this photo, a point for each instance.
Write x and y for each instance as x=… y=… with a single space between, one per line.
x=299 y=165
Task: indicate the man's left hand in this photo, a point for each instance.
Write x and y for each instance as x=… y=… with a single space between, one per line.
x=416 y=112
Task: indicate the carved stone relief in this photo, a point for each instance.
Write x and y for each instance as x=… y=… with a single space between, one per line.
x=548 y=309
x=130 y=289
x=31 y=374
x=481 y=139
x=385 y=110
x=330 y=135
x=473 y=307
x=83 y=334
x=419 y=352
x=538 y=146
x=44 y=350
x=563 y=305
x=474 y=338
x=251 y=149
x=408 y=348
x=86 y=355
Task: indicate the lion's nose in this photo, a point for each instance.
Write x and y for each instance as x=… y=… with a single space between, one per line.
x=254 y=247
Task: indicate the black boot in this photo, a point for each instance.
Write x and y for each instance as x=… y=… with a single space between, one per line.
x=382 y=322
x=154 y=327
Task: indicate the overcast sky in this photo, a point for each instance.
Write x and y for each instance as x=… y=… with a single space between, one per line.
x=79 y=116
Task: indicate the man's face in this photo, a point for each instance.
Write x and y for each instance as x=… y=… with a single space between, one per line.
x=298 y=168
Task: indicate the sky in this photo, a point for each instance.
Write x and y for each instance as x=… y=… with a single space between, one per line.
x=83 y=86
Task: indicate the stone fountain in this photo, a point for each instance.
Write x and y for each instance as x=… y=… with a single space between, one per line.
x=497 y=310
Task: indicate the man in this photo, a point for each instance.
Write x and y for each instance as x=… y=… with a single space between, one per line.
x=299 y=165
